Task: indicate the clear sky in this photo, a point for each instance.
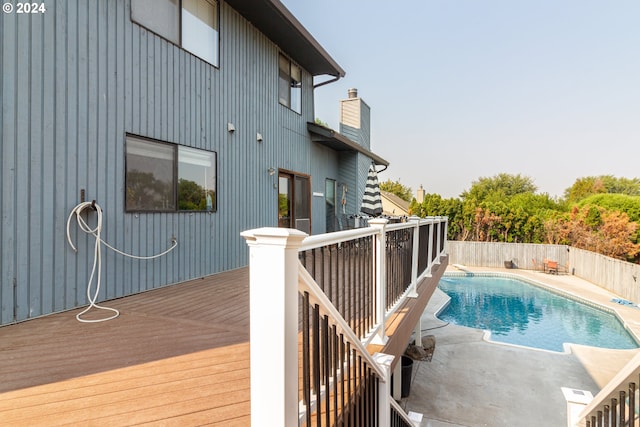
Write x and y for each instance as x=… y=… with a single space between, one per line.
x=462 y=89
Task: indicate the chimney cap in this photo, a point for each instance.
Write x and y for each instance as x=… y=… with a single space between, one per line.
x=353 y=93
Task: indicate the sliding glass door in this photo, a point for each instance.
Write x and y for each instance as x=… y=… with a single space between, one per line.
x=294 y=201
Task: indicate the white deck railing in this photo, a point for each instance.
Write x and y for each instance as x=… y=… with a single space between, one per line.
x=277 y=279
x=616 y=404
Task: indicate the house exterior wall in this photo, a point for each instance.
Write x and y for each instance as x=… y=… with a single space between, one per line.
x=75 y=80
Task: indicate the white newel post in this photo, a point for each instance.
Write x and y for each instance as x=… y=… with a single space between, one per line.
x=432 y=225
x=413 y=291
x=381 y=277
x=446 y=235
x=273 y=296
x=438 y=240
x=384 y=361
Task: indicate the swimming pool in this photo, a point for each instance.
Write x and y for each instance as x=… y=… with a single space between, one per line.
x=517 y=312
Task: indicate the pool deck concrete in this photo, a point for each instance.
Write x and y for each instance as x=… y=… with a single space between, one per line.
x=473 y=382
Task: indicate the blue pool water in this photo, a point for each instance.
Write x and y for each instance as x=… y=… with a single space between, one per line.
x=520 y=313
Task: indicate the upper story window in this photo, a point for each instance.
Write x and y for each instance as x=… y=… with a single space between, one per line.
x=163 y=177
x=290 y=84
x=192 y=24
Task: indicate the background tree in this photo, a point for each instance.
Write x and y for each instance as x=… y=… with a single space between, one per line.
x=506 y=208
x=595 y=229
x=590 y=185
x=394 y=187
x=498 y=187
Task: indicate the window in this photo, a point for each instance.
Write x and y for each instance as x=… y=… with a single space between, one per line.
x=330 y=205
x=163 y=177
x=192 y=24
x=290 y=84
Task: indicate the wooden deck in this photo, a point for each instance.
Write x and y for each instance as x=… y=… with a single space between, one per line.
x=176 y=356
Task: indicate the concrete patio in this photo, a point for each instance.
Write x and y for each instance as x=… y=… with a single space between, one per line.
x=472 y=382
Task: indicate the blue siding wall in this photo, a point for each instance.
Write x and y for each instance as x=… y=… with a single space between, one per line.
x=75 y=80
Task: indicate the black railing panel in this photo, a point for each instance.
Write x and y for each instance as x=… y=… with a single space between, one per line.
x=397 y=420
x=434 y=243
x=423 y=247
x=346 y=274
x=399 y=256
x=338 y=387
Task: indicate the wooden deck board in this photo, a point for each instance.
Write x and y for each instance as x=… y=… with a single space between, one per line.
x=176 y=356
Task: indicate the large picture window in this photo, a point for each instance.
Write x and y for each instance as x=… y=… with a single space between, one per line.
x=163 y=177
x=290 y=84
x=191 y=24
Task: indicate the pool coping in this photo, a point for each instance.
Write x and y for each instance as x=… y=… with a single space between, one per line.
x=623 y=318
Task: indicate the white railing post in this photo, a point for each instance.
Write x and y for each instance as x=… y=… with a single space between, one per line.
x=380 y=255
x=413 y=291
x=273 y=296
x=446 y=235
x=384 y=361
x=438 y=240
x=432 y=225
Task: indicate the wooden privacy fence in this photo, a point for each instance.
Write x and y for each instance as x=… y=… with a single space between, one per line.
x=494 y=254
x=617 y=276
x=620 y=277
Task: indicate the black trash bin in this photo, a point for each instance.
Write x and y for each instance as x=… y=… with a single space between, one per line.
x=407 y=369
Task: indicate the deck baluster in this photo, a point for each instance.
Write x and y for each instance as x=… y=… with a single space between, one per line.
x=614 y=418
x=306 y=385
x=632 y=403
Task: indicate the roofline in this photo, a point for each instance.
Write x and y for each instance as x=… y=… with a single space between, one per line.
x=337 y=141
x=275 y=21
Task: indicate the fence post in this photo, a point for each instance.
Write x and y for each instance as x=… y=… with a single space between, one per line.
x=380 y=255
x=384 y=361
x=273 y=296
x=413 y=291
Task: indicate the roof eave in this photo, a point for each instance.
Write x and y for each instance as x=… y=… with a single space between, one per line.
x=275 y=21
x=330 y=138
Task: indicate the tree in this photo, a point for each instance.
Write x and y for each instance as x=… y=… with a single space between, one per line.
x=498 y=187
x=595 y=229
x=615 y=202
x=584 y=187
x=590 y=185
x=394 y=187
